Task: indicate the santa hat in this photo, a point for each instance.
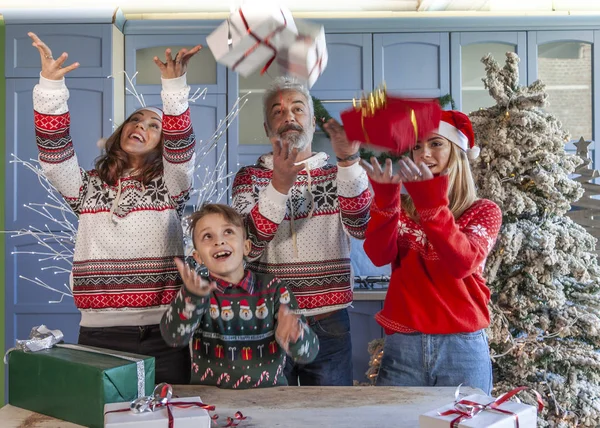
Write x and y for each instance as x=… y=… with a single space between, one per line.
x=283 y=290
x=456 y=127
x=226 y=305
x=101 y=143
x=244 y=304
x=213 y=301
x=261 y=302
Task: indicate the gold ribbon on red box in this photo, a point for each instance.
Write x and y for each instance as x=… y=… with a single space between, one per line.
x=390 y=122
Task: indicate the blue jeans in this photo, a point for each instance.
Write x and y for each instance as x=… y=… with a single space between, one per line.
x=333 y=365
x=436 y=360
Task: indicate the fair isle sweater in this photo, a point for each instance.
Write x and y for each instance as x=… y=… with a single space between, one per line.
x=304 y=237
x=436 y=285
x=123 y=270
x=232 y=332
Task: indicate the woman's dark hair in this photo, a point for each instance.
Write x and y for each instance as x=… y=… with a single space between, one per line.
x=110 y=166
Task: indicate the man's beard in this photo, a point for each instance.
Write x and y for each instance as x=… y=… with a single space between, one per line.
x=297 y=140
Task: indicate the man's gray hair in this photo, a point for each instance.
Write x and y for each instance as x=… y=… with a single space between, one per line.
x=285 y=83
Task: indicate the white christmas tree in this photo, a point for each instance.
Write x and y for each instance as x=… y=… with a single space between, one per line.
x=543 y=273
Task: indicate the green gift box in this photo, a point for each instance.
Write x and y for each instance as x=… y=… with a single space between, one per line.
x=74 y=382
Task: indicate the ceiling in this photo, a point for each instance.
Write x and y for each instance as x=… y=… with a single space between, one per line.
x=356 y=6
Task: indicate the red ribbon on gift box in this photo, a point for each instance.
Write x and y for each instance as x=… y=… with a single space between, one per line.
x=286 y=63
x=260 y=41
x=466 y=409
x=180 y=404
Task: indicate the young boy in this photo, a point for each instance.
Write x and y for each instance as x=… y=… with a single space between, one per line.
x=241 y=323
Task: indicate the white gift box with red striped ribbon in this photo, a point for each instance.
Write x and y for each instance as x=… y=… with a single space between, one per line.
x=306 y=57
x=185 y=415
x=253 y=36
x=509 y=414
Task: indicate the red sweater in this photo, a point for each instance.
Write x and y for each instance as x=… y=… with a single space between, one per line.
x=436 y=285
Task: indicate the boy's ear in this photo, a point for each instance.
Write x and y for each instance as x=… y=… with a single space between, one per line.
x=247 y=247
x=196 y=257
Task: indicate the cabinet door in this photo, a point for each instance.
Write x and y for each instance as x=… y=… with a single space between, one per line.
x=467 y=49
x=203 y=71
x=566 y=62
x=89 y=44
x=206 y=114
x=364 y=329
x=29 y=305
x=413 y=64
x=90 y=106
x=349 y=67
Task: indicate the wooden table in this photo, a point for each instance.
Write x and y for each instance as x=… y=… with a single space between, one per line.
x=294 y=407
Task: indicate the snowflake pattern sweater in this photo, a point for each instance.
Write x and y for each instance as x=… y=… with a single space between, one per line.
x=436 y=285
x=232 y=332
x=304 y=237
x=123 y=270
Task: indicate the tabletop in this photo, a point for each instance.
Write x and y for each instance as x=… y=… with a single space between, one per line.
x=294 y=407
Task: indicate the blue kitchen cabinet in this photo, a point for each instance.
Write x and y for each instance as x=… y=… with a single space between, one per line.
x=91 y=107
x=414 y=65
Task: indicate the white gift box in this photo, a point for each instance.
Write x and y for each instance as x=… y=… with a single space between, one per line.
x=233 y=45
x=188 y=417
x=306 y=58
x=487 y=418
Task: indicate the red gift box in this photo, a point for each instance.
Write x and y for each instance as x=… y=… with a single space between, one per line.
x=219 y=351
x=392 y=123
x=246 y=353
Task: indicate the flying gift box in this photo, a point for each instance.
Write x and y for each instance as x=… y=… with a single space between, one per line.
x=392 y=123
x=253 y=36
x=306 y=58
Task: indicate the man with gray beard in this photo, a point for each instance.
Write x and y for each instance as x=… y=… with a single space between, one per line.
x=300 y=213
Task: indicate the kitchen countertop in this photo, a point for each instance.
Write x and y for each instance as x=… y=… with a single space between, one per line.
x=294 y=407
x=362 y=294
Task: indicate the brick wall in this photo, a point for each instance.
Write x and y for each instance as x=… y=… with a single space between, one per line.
x=571 y=105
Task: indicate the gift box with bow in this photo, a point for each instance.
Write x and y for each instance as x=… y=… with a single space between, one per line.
x=391 y=123
x=252 y=37
x=159 y=410
x=306 y=58
x=73 y=382
x=478 y=411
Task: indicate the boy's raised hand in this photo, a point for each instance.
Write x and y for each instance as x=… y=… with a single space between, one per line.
x=52 y=69
x=289 y=328
x=193 y=282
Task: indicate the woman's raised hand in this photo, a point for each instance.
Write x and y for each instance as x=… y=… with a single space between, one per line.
x=379 y=175
x=410 y=171
x=173 y=68
x=52 y=69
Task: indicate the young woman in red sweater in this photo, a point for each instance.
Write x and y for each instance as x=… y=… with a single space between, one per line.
x=437 y=237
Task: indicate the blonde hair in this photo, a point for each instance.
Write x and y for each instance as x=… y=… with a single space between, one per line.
x=461 y=186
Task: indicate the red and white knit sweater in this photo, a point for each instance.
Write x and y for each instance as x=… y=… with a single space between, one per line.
x=123 y=269
x=436 y=285
x=304 y=237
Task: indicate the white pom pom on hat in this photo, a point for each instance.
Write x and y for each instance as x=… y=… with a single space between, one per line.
x=473 y=153
x=456 y=127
